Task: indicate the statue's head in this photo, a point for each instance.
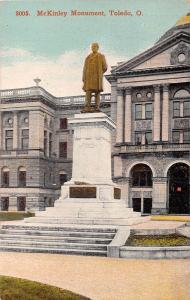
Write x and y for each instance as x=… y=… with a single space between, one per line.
x=94 y=47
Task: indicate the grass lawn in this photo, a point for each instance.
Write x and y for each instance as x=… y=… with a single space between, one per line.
x=157 y=241
x=21 y=289
x=14 y=215
x=171 y=218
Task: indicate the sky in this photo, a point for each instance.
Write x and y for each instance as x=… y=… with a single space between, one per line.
x=53 y=48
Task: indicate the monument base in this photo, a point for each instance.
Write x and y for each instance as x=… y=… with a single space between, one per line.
x=90 y=197
x=88 y=204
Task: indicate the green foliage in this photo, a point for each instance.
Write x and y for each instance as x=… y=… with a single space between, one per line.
x=14 y=215
x=158 y=240
x=21 y=289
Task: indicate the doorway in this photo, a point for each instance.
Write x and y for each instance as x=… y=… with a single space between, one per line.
x=179 y=202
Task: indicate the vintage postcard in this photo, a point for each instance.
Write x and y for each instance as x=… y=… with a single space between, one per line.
x=95 y=149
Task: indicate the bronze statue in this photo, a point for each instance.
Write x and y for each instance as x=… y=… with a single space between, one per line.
x=94 y=67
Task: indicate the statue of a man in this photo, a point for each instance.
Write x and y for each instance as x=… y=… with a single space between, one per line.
x=94 y=67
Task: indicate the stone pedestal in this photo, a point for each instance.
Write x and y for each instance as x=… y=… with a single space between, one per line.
x=90 y=197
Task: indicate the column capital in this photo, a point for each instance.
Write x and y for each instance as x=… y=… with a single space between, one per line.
x=156 y=88
x=128 y=90
x=120 y=91
x=165 y=87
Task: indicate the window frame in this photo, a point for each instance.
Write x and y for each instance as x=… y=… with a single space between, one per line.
x=137 y=112
x=175 y=131
x=174 y=109
x=148 y=111
x=186 y=112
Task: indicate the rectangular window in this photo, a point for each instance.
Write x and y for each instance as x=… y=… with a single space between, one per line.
x=175 y=136
x=186 y=108
x=186 y=136
x=148 y=138
x=8 y=139
x=63 y=149
x=138 y=138
x=63 y=123
x=21 y=203
x=22 y=178
x=148 y=111
x=138 y=111
x=45 y=143
x=5 y=179
x=50 y=144
x=25 y=138
x=4 y=203
x=62 y=178
x=176 y=109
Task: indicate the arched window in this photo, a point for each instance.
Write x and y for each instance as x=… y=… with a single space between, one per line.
x=182 y=93
x=141 y=176
x=22 y=177
x=62 y=177
x=5 y=177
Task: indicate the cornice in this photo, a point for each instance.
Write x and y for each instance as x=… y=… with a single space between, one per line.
x=154 y=50
x=150 y=71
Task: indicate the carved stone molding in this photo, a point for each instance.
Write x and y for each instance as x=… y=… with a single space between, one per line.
x=136 y=194
x=181 y=123
x=120 y=91
x=143 y=125
x=166 y=87
x=128 y=90
x=160 y=179
x=182 y=48
x=156 y=88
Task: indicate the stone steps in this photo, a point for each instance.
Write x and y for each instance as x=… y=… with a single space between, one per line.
x=134 y=219
x=71 y=239
x=54 y=250
x=57 y=245
x=86 y=240
x=59 y=234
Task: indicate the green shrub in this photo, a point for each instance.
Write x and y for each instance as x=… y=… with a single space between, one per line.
x=157 y=240
x=21 y=289
x=14 y=215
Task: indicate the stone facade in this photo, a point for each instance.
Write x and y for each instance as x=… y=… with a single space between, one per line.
x=150 y=104
x=151 y=107
x=36 y=146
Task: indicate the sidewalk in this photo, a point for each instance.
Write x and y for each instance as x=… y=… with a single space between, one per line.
x=103 y=278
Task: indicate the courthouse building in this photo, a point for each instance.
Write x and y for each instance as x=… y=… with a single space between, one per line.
x=36 y=146
x=150 y=103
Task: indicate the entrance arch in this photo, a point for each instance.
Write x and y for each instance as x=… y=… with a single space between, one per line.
x=179 y=177
x=141 y=188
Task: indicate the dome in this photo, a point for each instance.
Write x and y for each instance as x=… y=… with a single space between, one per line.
x=183 y=24
x=184 y=20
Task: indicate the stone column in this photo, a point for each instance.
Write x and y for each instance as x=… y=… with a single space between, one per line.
x=165 y=113
x=128 y=115
x=125 y=190
x=15 y=130
x=114 y=108
x=156 y=120
x=160 y=195
x=1 y=131
x=119 y=117
x=13 y=204
x=117 y=166
x=36 y=130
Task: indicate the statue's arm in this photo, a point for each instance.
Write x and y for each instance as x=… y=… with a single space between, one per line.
x=104 y=64
x=84 y=70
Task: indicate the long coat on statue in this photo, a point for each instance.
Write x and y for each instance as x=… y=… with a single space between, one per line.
x=94 y=67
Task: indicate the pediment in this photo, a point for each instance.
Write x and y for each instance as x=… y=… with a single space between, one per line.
x=163 y=54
